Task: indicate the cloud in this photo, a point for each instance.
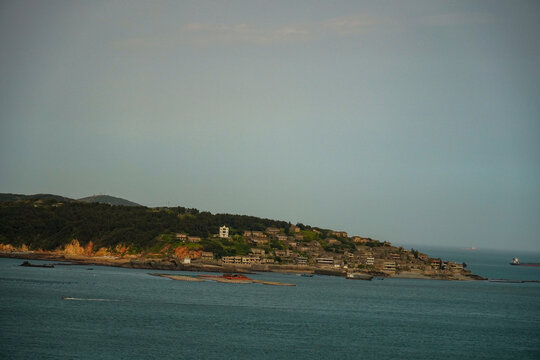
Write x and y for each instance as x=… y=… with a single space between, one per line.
x=456 y=19
x=350 y=24
x=242 y=33
x=201 y=34
x=245 y=33
x=145 y=43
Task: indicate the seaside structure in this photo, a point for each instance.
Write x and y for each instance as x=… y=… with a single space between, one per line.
x=325 y=261
x=389 y=266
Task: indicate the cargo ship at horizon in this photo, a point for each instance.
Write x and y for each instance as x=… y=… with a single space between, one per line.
x=515 y=261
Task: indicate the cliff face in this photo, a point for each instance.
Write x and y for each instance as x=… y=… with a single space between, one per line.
x=74 y=248
x=8 y=248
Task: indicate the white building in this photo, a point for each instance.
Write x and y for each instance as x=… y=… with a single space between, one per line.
x=223 y=232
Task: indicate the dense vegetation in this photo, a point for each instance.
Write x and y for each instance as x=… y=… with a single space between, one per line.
x=49 y=224
x=107 y=199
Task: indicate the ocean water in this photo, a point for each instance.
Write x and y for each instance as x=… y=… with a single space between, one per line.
x=128 y=314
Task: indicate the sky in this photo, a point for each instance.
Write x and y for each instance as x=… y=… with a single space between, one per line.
x=414 y=122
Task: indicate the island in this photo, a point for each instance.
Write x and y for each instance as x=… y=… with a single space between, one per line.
x=178 y=238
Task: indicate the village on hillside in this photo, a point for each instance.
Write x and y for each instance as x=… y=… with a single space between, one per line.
x=333 y=251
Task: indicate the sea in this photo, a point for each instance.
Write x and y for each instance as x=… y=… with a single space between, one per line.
x=100 y=312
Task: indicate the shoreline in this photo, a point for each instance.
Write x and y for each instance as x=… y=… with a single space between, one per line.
x=159 y=264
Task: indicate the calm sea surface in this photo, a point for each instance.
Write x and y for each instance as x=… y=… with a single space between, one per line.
x=128 y=314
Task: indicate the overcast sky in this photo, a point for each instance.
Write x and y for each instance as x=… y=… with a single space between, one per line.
x=407 y=121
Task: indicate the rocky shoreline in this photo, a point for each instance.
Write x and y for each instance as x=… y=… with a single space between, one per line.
x=162 y=264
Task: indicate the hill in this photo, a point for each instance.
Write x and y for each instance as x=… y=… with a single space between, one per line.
x=51 y=224
x=106 y=199
x=18 y=197
x=175 y=233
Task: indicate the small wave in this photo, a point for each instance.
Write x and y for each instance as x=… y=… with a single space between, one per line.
x=85 y=299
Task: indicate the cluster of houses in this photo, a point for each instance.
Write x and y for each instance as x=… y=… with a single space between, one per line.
x=384 y=258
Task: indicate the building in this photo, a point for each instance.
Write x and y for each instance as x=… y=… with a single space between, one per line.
x=455 y=266
x=257 y=251
x=272 y=231
x=250 y=260
x=301 y=260
x=436 y=263
x=283 y=253
x=389 y=266
x=370 y=260
x=333 y=242
x=207 y=255
x=294 y=229
x=254 y=233
x=193 y=239
x=259 y=241
x=360 y=240
x=180 y=236
x=339 y=233
x=325 y=261
x=281 y=237
x=223 y=232
x=231 y=259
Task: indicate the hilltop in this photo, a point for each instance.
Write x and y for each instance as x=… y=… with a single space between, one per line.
x=183 y=238
x=20 y=197
x=103 y=199
x=106 y=199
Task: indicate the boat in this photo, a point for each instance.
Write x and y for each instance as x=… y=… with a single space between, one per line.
x=306 y=275
x=27 y=264
x=356 y=276
x=515 y=261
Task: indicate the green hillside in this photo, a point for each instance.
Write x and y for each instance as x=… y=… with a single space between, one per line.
x=49 y=224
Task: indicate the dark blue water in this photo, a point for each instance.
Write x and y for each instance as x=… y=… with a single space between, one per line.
x=125 y=313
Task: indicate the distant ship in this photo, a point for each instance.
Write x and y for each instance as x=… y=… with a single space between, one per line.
x=515 y=261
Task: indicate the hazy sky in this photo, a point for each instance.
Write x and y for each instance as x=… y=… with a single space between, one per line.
x=415 y=122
